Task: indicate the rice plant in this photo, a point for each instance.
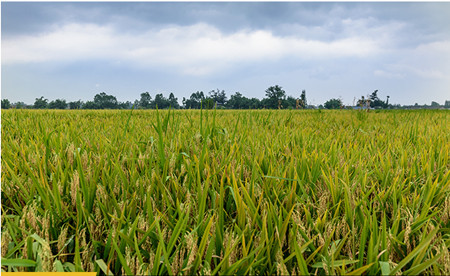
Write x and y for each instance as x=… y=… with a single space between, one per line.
x=226 y=192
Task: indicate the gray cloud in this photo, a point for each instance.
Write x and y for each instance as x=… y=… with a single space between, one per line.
x=21 y=17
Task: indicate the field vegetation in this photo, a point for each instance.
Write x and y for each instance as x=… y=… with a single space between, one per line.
x=226 y=192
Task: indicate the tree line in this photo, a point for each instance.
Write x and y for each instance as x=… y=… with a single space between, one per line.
x=275 y=98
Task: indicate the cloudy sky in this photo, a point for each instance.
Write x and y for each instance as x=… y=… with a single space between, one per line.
x=76 y=50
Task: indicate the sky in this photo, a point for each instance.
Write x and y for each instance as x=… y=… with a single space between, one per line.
x=74 y=50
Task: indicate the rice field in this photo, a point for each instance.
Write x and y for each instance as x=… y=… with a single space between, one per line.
x=225 y=192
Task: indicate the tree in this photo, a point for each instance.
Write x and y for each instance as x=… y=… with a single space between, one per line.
x=290 y=102
x=20 y=105
x=208 y=103
x=434 y=104
x=303 y=99
x=125 y=105
x=447 y=104
x=275 y=94
x=218 y=97
x=374 y=95
x=6 y=104
x=333 y=104
x=40 y=103
x=362 y=102
x=90 y=105
x=375 y=102
x=145 y=101
x=195 y=100
x=75 y=105
x=237 y=101
x=254 y=103
x=104 y=100
x=57 y=104
x=161 y=102
x=173 y=101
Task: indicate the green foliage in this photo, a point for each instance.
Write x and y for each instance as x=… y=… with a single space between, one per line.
x=375 y=102
x=146 y=101
x=195 y=101
x=105 y=101
x=290 y=102
x=303 y=101
x=91 y=105
x=40 y=103
x=434 y=104
x=274 y=95
x=220 y=192
x=173 y=101
x=238 y=101
x=6 y=104
x=333 y=104
x=218 y=97
x=57 y=104
x=161 y=102
x=20 y=105
x=75 y=105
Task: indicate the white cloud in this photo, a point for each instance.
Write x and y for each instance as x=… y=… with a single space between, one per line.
x=389 y=74
x=69 y=42
x=426 y=61
x=197 y=49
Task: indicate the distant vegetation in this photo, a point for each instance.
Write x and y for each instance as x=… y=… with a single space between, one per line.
x=275 y=98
